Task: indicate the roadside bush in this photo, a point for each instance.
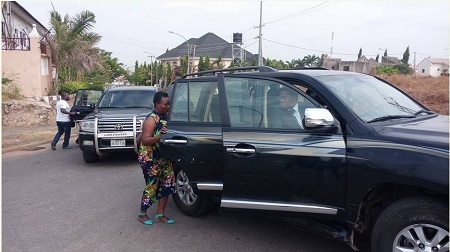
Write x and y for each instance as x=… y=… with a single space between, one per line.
x=403 y=69
x=72 y=86
x=386 y=70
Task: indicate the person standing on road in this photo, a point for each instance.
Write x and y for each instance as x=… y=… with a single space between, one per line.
x=158 y=170
x=63 y=121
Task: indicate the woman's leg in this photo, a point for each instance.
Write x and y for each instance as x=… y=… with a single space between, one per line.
x=162 y=205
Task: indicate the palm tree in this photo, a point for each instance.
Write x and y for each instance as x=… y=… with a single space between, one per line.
x=73 y=45
x=311 y=61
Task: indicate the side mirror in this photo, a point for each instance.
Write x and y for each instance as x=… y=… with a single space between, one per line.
x=318 y=117
x=92 y=106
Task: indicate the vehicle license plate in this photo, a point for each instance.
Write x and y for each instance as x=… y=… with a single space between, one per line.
x=117 y=142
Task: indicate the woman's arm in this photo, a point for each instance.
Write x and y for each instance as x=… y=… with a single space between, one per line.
x=146 y=137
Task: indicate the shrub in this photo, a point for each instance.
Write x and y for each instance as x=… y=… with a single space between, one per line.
x=403 y=69
x=72 y=86
x=386 y=70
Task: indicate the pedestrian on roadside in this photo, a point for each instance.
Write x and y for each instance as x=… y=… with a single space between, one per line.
x=158 y=170
x=63 y=121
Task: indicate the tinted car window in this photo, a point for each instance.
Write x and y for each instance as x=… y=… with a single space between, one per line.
x=180 y=103
x=264 y=104
x=204 y=102
x=368 y=97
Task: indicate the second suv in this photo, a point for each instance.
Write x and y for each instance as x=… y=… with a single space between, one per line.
x=341 y=152
x=115 y=121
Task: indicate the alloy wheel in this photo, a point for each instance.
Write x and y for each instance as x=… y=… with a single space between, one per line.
x=184 y=189
x=421 y=237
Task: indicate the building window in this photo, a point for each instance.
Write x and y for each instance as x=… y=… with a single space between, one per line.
x=44 y=66
x=423 y=70
x=346 y=68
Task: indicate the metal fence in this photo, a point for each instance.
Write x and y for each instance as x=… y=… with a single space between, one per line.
x=19 y=44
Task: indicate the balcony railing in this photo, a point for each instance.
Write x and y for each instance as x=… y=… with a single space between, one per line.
x=20 y=44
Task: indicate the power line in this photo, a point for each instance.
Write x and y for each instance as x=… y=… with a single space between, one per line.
x=321 y=51
x=299 y=13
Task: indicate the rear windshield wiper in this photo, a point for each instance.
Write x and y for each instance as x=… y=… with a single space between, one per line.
x=389 y=117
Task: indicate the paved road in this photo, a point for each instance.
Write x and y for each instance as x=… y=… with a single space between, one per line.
x=53 y=201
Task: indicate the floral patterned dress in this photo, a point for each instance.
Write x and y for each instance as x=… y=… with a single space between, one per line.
x=158 y=171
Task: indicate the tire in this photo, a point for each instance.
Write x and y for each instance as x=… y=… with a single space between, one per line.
x=411 y=224
x=187 y=201
x=90 y=157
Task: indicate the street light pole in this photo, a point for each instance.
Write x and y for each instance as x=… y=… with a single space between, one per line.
x=151 y=66
x=187 y=43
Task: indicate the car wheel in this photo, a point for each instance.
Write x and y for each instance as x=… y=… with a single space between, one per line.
x=90 y=157
x=412 y=224
x=186 y=200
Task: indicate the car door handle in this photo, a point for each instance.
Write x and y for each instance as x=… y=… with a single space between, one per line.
x=241 y=150
x=175 y=141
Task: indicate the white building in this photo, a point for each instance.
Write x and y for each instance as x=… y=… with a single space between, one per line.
x=433 y=67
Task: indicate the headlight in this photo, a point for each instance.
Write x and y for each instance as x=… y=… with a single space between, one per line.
x=87 y=126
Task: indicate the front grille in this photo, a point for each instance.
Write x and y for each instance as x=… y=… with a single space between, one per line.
x=117 y=124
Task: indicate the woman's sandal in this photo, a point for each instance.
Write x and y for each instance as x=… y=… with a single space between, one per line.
x=146 y=222
x=168 y=221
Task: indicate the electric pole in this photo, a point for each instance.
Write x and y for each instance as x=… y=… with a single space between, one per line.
x=260 y=58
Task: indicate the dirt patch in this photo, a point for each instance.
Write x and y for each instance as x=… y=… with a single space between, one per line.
x=27 y=138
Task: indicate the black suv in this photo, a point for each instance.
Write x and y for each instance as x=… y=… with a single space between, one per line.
x=338 y=151
x=115 y=121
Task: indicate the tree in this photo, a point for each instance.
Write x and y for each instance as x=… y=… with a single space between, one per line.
x=184 y=64
x=232 y=64
x=201 y=63
x=405 y=58
x=168 y=74
x=254 y=62
x=73 y=45
x=207 y=62
x=377 y=58
x=111 y=69
x=218 y=63
x=360 y=53
x=311 y=61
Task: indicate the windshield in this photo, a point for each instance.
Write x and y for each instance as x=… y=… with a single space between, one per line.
x=369 y=98
x=127 y=99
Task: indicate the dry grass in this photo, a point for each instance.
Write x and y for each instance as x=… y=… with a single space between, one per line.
x=432 y=92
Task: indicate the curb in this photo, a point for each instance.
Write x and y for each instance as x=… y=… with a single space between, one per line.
x=25 y=146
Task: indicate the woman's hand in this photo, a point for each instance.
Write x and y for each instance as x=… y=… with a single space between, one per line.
x=164 y=129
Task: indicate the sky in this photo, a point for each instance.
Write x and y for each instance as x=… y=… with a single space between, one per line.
x=135 y=30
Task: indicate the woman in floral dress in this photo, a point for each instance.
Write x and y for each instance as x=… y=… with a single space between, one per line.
x=158 y=171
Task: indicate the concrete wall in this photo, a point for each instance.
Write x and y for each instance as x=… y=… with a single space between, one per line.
x=24 y=68
x=354 y=66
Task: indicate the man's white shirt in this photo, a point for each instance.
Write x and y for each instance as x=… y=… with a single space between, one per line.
x=297 y=115
x=60 y=116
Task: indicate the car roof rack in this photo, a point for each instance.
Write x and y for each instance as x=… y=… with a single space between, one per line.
x=310 y=68
x=230 y=70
